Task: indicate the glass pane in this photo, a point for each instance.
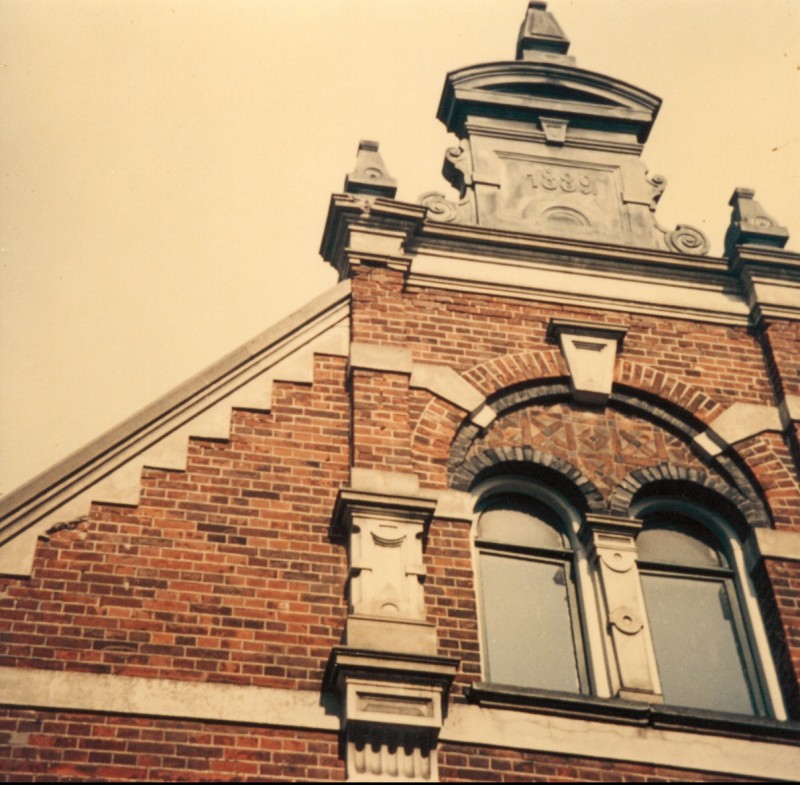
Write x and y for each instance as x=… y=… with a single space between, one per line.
x=527 y=623
x=696 y=643
x=676 y=539
x=519 y=520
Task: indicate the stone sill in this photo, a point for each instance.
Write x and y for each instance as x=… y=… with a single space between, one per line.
x=628 y=712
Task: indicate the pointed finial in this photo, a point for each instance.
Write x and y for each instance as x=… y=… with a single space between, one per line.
x=750 y=224
x=370 y=176
x=541 y=37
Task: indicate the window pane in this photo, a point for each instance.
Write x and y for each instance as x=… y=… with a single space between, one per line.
x=697 y=647
x=527 y=623
x=677 y=540
x=519 y=520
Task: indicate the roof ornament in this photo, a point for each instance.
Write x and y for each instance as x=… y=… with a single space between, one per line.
x=541 y=37
x=750 y=224
x=370 y=177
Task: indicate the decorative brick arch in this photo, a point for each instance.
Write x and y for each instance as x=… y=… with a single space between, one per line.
x=508 y=370
x=530 y=458
x=625 y=493
x=520 y=373
x=443 y=433
x=688 y=398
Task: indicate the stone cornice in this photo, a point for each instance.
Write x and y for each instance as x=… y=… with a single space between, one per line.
x=521 y=89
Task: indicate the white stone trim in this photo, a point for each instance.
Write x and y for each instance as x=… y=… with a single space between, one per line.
x=613 y=283
x=738 y=422
x=454 y=505
x=441 y=380
x=444 y=382
x=384 y=482
x=272 y=707
x=614 y=741
x=775 y=544
x=375 y=242
x=380 y=357
x=189 y=700
x=790 y=410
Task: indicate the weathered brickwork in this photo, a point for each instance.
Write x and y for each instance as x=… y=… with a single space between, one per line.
x=490 y=764
x=222 y=573
x=450 y=597
x=226 y=572
x=62 y=747
x=380 y=420
x=299 y=603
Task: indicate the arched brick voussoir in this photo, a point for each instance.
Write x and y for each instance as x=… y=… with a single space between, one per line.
x=625 y=493
x=527 y=458
x=646 y=378
x=439 y=423
x=508 y=370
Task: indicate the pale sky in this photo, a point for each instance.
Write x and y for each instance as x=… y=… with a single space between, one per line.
x=166 y=165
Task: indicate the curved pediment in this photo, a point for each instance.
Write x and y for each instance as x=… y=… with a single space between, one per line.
x=522 y=90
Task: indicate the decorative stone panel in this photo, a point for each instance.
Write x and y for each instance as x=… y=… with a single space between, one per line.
x=612 y=548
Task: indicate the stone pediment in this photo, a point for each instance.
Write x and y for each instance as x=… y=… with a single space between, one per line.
x=523 y=90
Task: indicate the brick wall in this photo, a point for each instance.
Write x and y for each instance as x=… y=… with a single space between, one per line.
x=490 y=764
x=225 y=572
x=63 y=747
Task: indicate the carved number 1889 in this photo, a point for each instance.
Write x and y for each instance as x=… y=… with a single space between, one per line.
x=567 y=182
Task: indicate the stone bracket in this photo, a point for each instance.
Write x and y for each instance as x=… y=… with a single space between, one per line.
x=393 y=710
x=590 y=351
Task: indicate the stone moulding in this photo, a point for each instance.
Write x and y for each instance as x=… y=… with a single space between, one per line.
x=592 y=730
x=392 y=711
x=742 y=421
x=525 y=88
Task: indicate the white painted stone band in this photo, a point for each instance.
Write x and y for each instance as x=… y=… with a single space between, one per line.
x=106 y=694
x=612 y=741
x=191 y=700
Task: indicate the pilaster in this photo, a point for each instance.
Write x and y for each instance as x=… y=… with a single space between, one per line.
x=390 y=681
x=610 y=542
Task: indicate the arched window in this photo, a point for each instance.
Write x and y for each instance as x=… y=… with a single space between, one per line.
x=687 y=558
x=530 y=608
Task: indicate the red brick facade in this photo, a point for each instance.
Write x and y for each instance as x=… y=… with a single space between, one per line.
x=235 y=576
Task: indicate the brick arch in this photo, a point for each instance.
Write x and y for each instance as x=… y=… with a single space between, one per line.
x=440 y=423
x=685 y=396
x=529 y=457
x=624 y=494
x=443 y=433
x=508 y=370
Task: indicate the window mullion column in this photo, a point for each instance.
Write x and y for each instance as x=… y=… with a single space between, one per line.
x=611 y=545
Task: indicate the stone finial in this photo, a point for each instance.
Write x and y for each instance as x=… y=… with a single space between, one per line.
x=370 y=176
x=750 y=224
x=541 y=37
